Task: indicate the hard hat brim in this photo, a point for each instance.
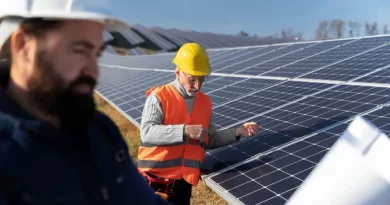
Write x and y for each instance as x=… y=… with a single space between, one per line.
x=195 y=73
x=110 y=23
x=9 y=25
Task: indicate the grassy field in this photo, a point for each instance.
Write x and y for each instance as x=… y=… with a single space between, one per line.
x=123 y=52
x=202 y=195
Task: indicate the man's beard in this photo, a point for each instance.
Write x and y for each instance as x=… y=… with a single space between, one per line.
x=56 y=98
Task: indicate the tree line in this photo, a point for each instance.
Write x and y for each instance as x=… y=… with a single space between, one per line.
x=333 y=29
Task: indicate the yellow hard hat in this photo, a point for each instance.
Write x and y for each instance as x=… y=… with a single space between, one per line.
x=191 y=58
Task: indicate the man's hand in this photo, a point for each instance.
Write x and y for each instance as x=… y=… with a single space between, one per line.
x=248 y=129
x=196 y=132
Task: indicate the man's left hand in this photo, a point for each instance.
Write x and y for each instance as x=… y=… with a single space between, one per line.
x=248 y=129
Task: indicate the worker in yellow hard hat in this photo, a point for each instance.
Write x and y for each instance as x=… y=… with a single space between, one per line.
x=177 y=128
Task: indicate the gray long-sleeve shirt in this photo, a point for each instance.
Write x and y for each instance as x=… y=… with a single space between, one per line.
x=154 y=132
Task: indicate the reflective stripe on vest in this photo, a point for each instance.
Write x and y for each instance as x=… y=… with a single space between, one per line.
x=179 y=160
x=201 y=144
x=170 y=163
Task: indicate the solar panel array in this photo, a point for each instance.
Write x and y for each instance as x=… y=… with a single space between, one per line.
x=163 y=40
x=132 y=37
x=211 y=40
x=303 y=96
x=156 y=39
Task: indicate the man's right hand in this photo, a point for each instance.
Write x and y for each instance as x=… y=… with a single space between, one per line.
x=196 y=132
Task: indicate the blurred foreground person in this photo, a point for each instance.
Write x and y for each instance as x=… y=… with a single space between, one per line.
x=55 y=147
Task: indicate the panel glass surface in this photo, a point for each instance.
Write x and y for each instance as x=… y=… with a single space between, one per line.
x=295 y=56
x=298 y=119
x=154 y=37
x=234 y=60
x=268 y=68
x=236 y=88
x=272 y=178
x=329 y=57
x=228 y=56
x=270 y=53
x=132 y=37
x=354 y=67
x=207 y=42
x=178 y=40
x=126 y=88
x=243 y=67
x=217 y=82
x=381 y=76
x=264 y=100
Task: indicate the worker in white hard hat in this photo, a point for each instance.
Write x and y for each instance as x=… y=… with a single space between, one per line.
x=55 y=147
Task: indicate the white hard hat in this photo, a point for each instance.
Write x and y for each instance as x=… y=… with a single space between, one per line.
x=13 y=12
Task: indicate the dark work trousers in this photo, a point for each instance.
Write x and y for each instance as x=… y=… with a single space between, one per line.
x=182 y=191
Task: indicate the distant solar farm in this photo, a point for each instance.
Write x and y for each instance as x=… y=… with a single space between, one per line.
x=162 y=40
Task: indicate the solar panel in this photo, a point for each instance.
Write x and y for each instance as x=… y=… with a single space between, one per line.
x=250 y=53
x=224 y=43
x=132 y=37
x=227 y=55
x=274 y=176
x=212 y=40
x=354 y=67
x=242 y=67
x=378 y=76
x=126 y=88
x=236 y=88
x=155 y=38
x=203 y=39
x=249 y=104
x=305 y=53
x=286 y=116
x=335 y=55
x=107 y=36
x=178 y=40
x=303 y=95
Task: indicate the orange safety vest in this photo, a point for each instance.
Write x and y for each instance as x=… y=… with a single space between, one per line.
x=182 y=160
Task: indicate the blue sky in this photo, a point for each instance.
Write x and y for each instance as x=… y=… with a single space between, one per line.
x=263 y=17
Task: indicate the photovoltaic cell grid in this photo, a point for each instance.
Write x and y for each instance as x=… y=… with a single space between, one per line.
x=210 y=40
x=346 y=50
x=380 y=76
x=288 y=111
x=304 y=52
x=248 y=54
x=233 y=88
x=354 y=67
x=107 y=36
x=154 y=37
x=126 y=88
x=274 y=177
x=178 y=40
x=132 y=37
x=263 y=100
x=292 y=116
x=250 y=63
